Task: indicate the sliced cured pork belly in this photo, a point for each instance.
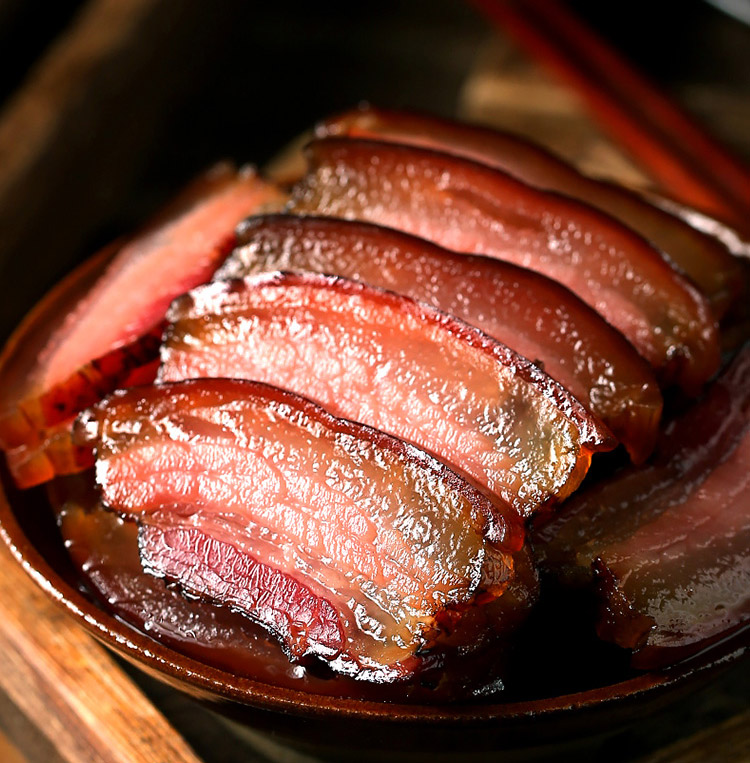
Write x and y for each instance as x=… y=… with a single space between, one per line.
x=537 y=317
x=703 y=259
x=735 y=241
x=687 y=452
x=55 y=454
x=52 y=451
x=387 y=361
x=85 y=386
x=469 y=207
x=345 y=543
x=683 y=580
x=673 y=566
x=61 y=358
x=20 y=354
x=104 y=549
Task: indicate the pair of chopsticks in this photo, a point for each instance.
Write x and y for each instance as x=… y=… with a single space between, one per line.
x=686 y=163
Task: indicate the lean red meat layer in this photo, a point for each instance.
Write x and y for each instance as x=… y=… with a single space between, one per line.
x=703 y=259
x=538 y=318
x=382 y=359
x=472 y=208
x=344 y=542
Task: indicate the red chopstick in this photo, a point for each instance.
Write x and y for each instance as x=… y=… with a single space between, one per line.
x=686 y=162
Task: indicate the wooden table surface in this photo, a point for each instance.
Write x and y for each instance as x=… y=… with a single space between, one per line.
x=62 y=697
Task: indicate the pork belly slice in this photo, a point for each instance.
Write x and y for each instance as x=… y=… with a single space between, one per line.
x=469 y=207
x=688 y=451
x=535 y=316
x=53 y=452
x=104 y=549
x=672 y=566
x=387 y=361
x=126 y=365
x=703 y=259
x=735 y=241
x=682 y=580
x=344 y=542
x=59 y=361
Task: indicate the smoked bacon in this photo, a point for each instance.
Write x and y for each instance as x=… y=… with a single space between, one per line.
x=703 y=259
x=538 y=318
x=347 y=544
x=469 y=207
x=383 y=359
x=69 y=353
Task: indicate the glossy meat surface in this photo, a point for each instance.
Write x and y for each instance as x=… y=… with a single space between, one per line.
x=669 y=544
x=536 y=317
x=123 y=366
x=206 y=566
x=345 y=543
x=732 y=239
x=704 y=260
x=100 y=333
x=468 y=207
x=686 y=575
x=104 y=549
x=382 y=359
x=687 y=451
x=54 y=454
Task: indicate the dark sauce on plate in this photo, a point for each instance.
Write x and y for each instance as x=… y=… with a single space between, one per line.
x=555 y=652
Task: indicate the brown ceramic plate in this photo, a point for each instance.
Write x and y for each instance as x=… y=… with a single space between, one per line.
x=589 y=693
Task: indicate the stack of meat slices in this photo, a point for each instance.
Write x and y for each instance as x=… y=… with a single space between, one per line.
x=351 y=424
x=667 y=545
x=346 y=543
x=73 y=349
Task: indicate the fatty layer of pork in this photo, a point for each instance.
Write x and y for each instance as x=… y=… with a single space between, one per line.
x=472 y=208
x=104 y=549
x=702 y=258
x=537 y=317
x=735 y=241
x=669 y=544
x=390 y=362
x=53 y=452
x=65 y=359
x=347 y=544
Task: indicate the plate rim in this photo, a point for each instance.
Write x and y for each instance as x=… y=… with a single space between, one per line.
x=215 y=684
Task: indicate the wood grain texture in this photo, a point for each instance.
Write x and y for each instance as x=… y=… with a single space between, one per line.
x=75 y=693
x=9 y=753
x=507 y=91
x=22 y=736
x=727 y=742
x=70 y=687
